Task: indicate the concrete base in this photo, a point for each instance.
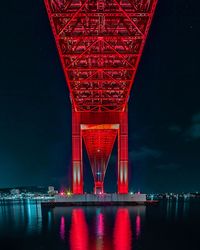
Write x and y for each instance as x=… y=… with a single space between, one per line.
x=98 y=200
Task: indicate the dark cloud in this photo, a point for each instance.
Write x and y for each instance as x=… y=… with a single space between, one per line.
x=193 y=132
x=168 y=167
x=175 y=128
x=196 y=118
x=144 y=153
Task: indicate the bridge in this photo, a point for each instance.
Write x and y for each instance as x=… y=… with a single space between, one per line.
x=100 y=43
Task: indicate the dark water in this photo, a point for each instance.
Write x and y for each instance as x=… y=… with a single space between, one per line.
x=170 y=225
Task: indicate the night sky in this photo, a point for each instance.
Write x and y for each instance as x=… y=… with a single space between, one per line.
x=164 y=107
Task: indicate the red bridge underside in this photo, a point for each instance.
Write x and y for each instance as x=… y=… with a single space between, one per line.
x=100 y=44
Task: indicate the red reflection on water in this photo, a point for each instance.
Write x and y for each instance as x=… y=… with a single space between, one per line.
x=99 y=232
x=62 y=228
x=79 y=231
x=122 y=230
x=100 y=224
x=138 y=226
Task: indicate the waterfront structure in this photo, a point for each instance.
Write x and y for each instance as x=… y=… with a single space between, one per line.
x=104 y=199
x=15 y=192
x=100 y=44
x=52 y=191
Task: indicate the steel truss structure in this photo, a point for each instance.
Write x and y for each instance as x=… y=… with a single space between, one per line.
x=100 y=43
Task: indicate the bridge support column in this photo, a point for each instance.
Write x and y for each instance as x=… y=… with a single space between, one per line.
x=123 y=153
x=98 y=187
x=77 y=165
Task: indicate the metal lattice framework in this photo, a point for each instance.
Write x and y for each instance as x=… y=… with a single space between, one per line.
x=100 y=43
x=99 y=142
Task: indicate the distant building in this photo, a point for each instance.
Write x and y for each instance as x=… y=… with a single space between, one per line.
x=14 y=192
x=52 y=191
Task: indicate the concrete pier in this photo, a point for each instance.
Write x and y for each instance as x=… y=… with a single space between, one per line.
x=98 y=200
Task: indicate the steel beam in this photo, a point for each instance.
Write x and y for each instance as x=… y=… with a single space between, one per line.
x=77 y=164
x=123 y=153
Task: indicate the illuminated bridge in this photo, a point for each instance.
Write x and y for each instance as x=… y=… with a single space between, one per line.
x=100 y=43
